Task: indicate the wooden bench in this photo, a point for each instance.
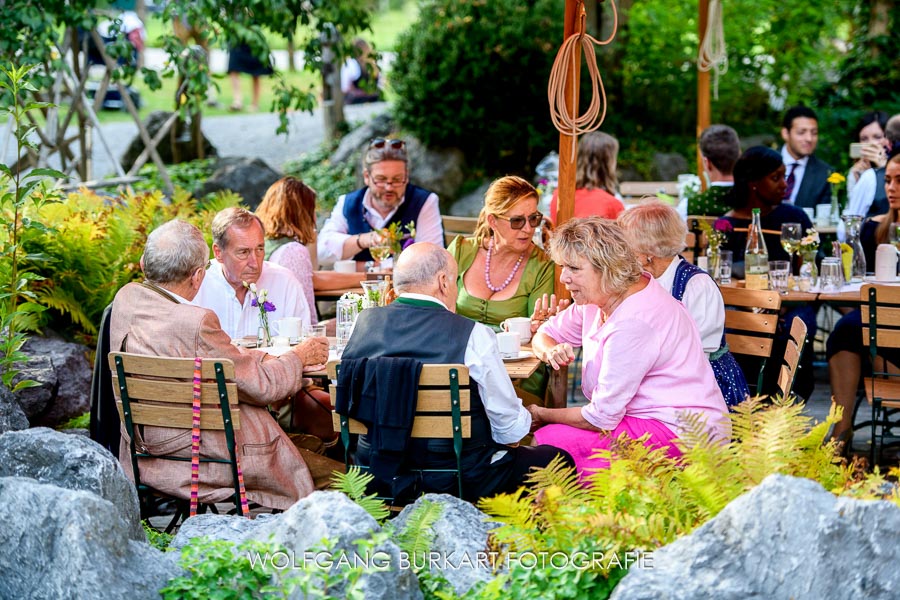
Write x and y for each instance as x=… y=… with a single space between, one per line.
x=454 y=226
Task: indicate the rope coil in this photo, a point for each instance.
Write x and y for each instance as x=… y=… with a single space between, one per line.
x=713 y=55
x=593 y=117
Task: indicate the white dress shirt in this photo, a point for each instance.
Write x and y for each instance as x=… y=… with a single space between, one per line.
x=704 y=301
x=510 y=420
x=863 y=194
x=330 y=245
x=799 y=170
x=240 y=320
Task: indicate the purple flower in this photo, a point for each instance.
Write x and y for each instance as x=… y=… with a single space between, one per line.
x=723 y=225
x=254 y=302
x=407 y=243
x=268 y=306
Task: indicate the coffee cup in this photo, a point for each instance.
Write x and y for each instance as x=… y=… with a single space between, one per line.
x=823 y=215
x=508 y=341
x=289 y=327
x=520 y=325
x=281 y=340
x=886 y=263
x=345 y=266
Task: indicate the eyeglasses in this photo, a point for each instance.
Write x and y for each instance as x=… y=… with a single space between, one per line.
x=518 y=222
x=383 y=183
x=393 y=144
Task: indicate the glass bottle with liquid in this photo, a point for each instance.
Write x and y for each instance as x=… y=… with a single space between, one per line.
x=756 y=257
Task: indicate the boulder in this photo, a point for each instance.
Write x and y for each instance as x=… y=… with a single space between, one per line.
x=333 y=516
x=471 y=204
x=186 y=148
x=459 y=543
x=440 y=170
x=64 y=374
x=786 y=538
x=248 y=177
x=352 y=144
x=73 y=462
x=667 y=166
x=12 y=418
x=229 y=528
x=59 y=543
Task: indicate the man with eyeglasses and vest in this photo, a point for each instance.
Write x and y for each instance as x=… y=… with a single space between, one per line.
x=388 y=197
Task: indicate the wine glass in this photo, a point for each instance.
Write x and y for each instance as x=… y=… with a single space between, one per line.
x=791 y=235
x=380 y=253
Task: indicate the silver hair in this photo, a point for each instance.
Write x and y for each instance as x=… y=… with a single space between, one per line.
x=654 y=228
x=377 y=155
x=421 y=272
x=173 y=252
x=233 y=216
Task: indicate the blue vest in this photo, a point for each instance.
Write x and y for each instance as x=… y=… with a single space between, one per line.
x=354 y=212
x=431 y=334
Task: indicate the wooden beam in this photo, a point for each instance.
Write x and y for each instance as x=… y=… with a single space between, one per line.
x=703 y=106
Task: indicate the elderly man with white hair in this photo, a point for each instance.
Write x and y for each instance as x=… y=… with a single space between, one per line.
x=422 y=324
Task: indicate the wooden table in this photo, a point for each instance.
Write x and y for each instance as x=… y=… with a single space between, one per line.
x=335 y=294
x=846 y=297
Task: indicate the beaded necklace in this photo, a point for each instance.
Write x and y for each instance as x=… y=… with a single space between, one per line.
x=487 y=269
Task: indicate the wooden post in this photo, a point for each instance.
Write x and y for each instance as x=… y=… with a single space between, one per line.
x=703 y=108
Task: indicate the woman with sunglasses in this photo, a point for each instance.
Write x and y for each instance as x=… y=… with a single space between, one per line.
x=502 y=274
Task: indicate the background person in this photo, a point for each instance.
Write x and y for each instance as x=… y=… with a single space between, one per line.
x=866 y=196
x=388 y=197
x=656 y=234
x=242 y=60
x=643 y=363
x=806 y=176
x=595 y=178
x=360 y=77
x=719 y=150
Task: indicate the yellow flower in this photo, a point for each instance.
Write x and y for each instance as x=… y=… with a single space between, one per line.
x=836 y=178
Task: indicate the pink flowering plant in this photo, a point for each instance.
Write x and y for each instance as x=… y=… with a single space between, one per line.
x=259 y=299
x=717 y=233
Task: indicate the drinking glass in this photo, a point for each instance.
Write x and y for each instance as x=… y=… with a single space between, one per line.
x=311 y=331
x=725 y=266
x=831 y=274
x=347 y=311
x=380 y=253
x=894 y=235
x=791 y=235
x=778 y=275
x=374 y=293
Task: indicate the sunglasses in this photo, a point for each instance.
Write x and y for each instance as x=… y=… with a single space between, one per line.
x=380 y=143
x=518 y=222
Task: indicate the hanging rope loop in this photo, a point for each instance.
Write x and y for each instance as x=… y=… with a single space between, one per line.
x=713 y=54
x=560 y=83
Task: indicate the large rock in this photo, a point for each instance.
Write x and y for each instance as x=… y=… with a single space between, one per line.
x=353 y=144
x=471 y=204
x=667 y=166
x=75 y=463
x=64 y=374
x=248 y=177
x=786 y=538
x=11 y=416
x=186 y=148
x=440 y=170
x=227 y=528
x=333 y=516
x=58 y=543
x=460 y=537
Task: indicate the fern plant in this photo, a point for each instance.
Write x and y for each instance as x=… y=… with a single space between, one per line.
x=354 y=483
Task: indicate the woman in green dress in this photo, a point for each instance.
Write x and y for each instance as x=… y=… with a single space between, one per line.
x=502 y=274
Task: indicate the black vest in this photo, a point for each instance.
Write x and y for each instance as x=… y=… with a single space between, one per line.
x=431 y=334
x=414 y=199
x=879 y=202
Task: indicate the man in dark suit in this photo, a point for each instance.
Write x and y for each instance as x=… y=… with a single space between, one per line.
x=806 y=175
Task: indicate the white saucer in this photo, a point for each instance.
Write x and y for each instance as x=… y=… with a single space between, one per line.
x=523 y=354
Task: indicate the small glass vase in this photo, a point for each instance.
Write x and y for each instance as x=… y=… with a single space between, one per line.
x=712 y=262
x=809 y=273
x=263 y=337
x=835 y=208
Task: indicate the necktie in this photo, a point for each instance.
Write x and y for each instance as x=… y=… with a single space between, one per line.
x=790 y=183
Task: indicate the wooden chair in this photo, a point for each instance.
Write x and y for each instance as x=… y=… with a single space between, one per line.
x=158 y=391
x=881 y=331
x=633 y=191
x=443 y=410
x=454 y=226
x=792 y=353
x=751 y=317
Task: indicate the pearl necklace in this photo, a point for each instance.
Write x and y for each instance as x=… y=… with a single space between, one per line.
x=487 y=269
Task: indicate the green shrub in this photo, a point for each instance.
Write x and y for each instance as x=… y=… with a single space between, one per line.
x=188 y=176
x=79 y=422
x=328 y=180
x=473 y=74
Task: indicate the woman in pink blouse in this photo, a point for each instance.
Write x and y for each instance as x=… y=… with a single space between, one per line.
x=643 y=362
x=288 y=214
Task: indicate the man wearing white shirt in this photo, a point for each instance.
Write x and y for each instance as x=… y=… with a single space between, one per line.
x=806 y=175
x=239 y=247
x=425 y=275
x=387 y=198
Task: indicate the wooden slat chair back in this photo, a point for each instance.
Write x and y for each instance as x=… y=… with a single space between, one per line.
x=696 y=242
x=443 y=410
x=751 y=317
x=159 y=391
x=454 y=226
x=633 y=191
x=880 y=331
x=792 y=353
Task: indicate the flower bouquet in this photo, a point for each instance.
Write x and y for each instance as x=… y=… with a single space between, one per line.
x=716 y=237
x=396 y=238
x=809 y=272
x=259 y=299
x=837 y=181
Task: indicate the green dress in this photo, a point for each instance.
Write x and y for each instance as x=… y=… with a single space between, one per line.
x=537 y=280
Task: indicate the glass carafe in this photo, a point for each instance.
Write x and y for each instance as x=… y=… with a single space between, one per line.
x=347 y=311
x=852 y=225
